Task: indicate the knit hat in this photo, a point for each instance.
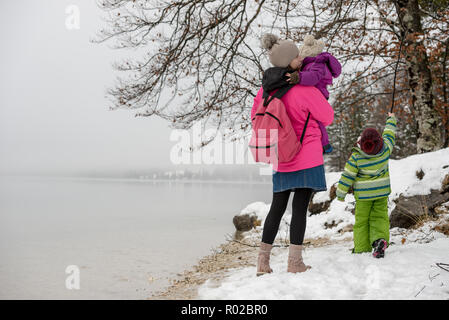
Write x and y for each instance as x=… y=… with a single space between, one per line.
x=311 y=47
x=280 y=52
x=371 y=141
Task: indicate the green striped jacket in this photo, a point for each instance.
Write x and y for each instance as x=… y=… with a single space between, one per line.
x=368 y=174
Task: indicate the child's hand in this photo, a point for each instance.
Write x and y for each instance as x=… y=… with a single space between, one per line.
x=391 y=114
x=292 y=78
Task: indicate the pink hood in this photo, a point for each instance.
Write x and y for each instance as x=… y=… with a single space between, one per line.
x=299 y=101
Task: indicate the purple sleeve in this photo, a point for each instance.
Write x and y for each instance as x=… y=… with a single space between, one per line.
x=334 y=66
x=332 y=63
x=312 y=76
x=324 y=135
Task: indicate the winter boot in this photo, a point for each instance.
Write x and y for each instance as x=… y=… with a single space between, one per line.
x=379 y=247
x=295 y=263
x=263 y=260
x=327 y=148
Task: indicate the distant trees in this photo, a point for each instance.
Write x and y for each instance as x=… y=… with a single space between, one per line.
x=348 y=124
x=203 y=60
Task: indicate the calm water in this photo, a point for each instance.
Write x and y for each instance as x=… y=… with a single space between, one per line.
x=126 y=237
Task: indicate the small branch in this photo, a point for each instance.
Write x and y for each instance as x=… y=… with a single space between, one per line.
x=444 y=266
x=420 y=291
x=231 y=239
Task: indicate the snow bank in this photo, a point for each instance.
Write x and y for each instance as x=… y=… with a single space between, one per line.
x=435 y=166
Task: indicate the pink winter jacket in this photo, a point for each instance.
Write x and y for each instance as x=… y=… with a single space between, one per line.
x=299 y=101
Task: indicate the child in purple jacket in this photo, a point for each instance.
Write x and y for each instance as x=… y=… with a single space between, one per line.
x=317 y=69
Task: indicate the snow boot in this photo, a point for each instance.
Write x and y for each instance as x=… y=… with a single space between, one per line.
x=263 y=260
x=379 y=247
x=295 y=263
x=327 y=149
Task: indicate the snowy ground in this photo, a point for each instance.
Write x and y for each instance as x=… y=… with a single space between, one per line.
x=338 y=274
x=408 y=271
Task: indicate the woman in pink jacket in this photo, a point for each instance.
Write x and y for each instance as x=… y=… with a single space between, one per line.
x=304 y=174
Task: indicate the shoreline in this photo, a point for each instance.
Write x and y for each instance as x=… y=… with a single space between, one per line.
x=237 y=254
x=217 y=265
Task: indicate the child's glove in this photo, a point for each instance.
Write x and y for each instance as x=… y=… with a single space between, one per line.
x=293 y=78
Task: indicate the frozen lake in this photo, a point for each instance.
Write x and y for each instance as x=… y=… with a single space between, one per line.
x=126 y=237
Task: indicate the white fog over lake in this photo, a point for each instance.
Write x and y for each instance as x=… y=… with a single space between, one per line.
x=126 y=237
x=76 y=179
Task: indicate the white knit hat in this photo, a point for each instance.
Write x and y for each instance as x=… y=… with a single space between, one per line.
x=311 y=47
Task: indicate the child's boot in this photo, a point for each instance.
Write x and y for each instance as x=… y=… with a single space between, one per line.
x=263 y=260
x=379 y=247
x=327 y=148
x=295 y=262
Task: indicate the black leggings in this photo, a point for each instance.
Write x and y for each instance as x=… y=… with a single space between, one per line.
x=300 y=204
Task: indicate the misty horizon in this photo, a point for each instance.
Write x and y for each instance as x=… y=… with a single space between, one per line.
x=54 y=113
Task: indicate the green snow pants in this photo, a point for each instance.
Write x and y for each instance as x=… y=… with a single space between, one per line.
x=371 y=223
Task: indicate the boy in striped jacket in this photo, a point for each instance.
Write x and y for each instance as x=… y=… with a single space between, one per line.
x=367 y=172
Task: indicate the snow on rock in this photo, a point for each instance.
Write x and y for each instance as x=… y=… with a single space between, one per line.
x=258 y=208
x=331 y=179
x=435 y=166
x=424 y=234
x=338 y=215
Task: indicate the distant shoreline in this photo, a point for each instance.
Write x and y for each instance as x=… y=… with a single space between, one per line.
x=81 y=178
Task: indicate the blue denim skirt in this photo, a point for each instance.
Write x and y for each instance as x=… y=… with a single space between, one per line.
x=312 y=178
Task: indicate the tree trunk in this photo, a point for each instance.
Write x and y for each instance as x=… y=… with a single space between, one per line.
x=420 y=80
x=445 y=98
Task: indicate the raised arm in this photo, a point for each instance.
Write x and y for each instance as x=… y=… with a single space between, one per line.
x=389 y=134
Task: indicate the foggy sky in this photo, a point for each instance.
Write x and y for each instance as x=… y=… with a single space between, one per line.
x=54 y=115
